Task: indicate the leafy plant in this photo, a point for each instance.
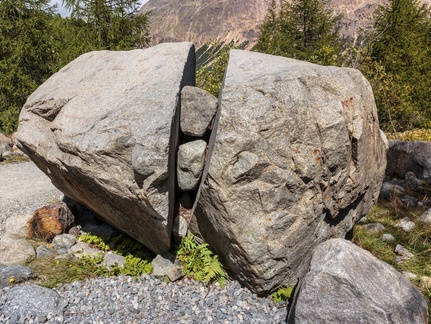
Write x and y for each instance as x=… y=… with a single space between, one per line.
x=282 y=294
x=94 y=240
x=136 y=266
x=198 y=261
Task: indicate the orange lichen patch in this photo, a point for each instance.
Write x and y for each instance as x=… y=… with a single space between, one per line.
x=348 y=104
x=315 y=152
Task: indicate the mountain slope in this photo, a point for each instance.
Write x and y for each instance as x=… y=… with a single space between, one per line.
x=202 y=21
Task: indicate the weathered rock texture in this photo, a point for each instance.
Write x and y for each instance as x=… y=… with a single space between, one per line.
x=198 y=108
x=404 y=157
x=105 y=130
x=49 y=221
x=347 y=284
x=295 y=158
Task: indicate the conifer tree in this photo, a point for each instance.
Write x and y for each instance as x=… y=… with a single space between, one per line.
x=399 y=65
x=26 y=54
x=301 y=29
x=111 y=24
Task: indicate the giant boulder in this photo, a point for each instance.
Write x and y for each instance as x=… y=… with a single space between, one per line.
x=347 y=284
x=295 y=158
x=105 y=130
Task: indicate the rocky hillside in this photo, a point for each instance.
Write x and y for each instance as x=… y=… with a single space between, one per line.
x=202 y=21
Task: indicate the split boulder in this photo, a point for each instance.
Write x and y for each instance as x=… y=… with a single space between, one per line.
x=296 y=157
x=105 y=130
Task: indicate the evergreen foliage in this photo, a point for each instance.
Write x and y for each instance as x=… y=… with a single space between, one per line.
x=398 y=65
x=209 y=75
x=110 y=24
x=26 y=56
x=35 y=42
x=302 y=29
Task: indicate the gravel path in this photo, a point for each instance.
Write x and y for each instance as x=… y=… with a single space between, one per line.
x=23 y=188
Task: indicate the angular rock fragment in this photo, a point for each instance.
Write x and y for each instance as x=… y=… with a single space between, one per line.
x=198 y=108
x=296 y=156
x=105 y=130
x=347 y=284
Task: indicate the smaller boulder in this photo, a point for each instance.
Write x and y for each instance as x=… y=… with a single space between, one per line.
x=198 y=108
x=15 y=250
x=50 y=220
x=31 y=300
x=405 y=156
x=346 y=283
x=190 y=164
x=14 y=274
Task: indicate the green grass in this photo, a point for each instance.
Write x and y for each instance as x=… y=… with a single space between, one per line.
x=50 y=272
x=417 y=241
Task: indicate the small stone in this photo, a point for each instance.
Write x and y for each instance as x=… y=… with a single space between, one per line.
x=374 y=227
x=75 y=231
x=409 y=275
x=426 y=217
x=363 y=219
x=388 y=238
x=164 y=266
x=409 y=201
x=406 y=224
x=63 y=241
x=190 y=164
x=402 y=251
x=82 y=248
x=425 y=282
x=388 y=190
x=45 y=251
x=111 y=259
